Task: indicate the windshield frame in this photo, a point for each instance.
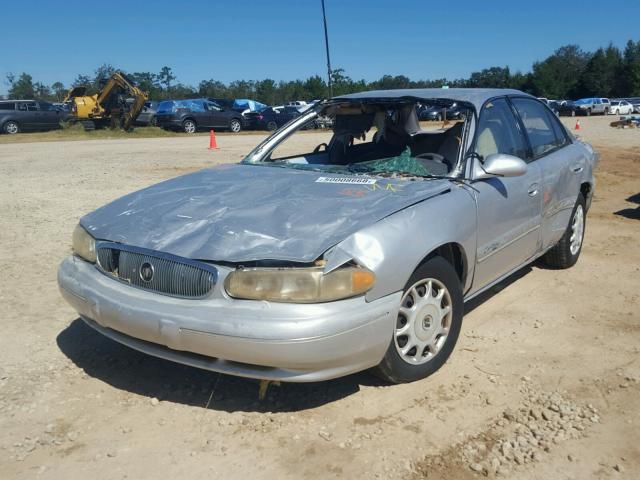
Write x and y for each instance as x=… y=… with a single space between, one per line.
x=260 y=154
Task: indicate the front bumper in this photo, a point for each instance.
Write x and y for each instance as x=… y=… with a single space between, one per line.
x=274 y=341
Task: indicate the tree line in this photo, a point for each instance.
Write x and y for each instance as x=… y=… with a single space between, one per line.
x=568 y=73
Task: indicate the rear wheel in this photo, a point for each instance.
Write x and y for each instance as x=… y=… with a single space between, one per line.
x=565 y=253
x=153 y=121
x=427 y=326
x=189 y=126
x=271 y=126
x=11 y=127
x=234 y=125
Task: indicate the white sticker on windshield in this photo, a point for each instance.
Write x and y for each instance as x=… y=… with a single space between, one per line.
x=346 y=180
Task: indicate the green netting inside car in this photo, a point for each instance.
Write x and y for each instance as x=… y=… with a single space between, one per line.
x=403 y=163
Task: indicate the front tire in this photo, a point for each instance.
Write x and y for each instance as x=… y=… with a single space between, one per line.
x=234 y=125
x=565 y=253
x=427 y=326
x=11 y=127
x=189 y=126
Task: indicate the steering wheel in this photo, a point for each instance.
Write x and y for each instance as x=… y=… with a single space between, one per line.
x=431 y=156
x=317 y=149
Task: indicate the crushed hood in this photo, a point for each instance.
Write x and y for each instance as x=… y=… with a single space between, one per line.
x=241 y=213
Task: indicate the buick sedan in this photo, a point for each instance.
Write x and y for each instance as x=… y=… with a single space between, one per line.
x=306 y=263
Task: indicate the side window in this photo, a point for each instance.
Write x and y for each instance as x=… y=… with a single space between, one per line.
x=498 y=131
x=32 y=107
x=212 y=107
x=538 y=125
x=7 y=106
x=22 y=106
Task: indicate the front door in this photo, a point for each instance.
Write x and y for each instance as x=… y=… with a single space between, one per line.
x=509 y=208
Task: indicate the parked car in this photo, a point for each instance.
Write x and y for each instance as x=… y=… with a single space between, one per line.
x=620 y=107
x=312 y=265
x=147 y=115
x=270 y=118
x=588 y=106
x=28 y=115
x=198 y=113
x=438 y=112
x=569 y=108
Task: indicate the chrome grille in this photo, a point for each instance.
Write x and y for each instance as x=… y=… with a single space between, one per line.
x=156 y=271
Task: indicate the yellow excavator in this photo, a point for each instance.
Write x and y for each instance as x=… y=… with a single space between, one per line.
x=110 y=107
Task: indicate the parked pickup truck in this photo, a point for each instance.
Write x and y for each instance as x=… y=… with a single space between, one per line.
x=589 y=106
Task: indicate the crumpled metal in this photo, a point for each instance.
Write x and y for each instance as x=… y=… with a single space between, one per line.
x=241 y=213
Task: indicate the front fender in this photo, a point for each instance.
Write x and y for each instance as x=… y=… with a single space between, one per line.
x=394 y=247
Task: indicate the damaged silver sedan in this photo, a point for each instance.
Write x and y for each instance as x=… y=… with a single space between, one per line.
x=313 y=259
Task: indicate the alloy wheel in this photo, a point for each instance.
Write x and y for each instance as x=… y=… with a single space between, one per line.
x=189 y=126
x=235 y=126
x=11 y=127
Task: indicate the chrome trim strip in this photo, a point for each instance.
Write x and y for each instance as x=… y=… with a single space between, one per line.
x=505 y=245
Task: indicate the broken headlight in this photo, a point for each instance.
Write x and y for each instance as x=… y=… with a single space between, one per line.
x=83 y=244
x=299 y=285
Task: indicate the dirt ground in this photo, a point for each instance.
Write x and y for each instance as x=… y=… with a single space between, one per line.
x=544 y=383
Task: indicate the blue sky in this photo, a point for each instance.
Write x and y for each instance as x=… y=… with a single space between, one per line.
x=283 y=39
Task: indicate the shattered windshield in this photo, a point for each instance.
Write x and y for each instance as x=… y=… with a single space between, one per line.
x=379 y=139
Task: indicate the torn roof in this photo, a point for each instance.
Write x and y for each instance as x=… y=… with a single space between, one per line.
x=475 y=96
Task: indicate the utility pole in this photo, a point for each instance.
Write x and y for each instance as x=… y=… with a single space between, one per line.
x=326 y=44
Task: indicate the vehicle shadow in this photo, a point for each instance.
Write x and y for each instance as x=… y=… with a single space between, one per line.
x=127 y=369
x=631 y=213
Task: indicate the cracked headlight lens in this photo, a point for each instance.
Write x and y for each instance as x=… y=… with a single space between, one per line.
x=83 y=244
x=299 y=285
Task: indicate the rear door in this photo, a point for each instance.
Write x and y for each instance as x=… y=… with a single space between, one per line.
x=198 y=111
x=561 y=164
x=508 y=207
x=28 y=115
x=217 y=116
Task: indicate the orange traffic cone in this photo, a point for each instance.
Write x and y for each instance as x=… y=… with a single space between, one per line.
x=577 y=127
x=212 y=140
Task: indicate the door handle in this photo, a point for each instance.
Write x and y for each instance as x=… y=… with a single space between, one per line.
x=533 y=190
x=577 y=168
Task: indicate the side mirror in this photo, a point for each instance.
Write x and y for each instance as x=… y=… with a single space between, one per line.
x=501 y=165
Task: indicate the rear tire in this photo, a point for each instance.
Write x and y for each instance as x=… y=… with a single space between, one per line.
x=11 y=127
x=234 y=125
x=189 y=126
x=565 y=253
x=427 y=326
x=271 y=126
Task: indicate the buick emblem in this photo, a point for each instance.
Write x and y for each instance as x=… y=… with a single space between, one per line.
x=146 y=272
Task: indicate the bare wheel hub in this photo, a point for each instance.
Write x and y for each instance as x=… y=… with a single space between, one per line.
x=424 y=320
